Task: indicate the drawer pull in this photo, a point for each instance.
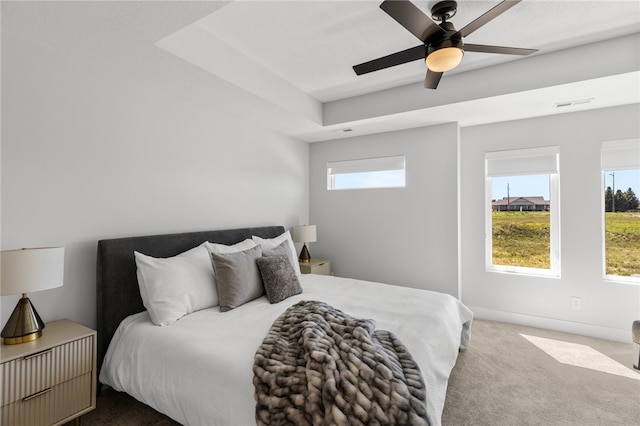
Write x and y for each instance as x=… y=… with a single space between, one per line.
x=35 y=395
x=38 y=354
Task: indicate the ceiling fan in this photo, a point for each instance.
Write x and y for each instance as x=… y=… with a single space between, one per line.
x=442 y=47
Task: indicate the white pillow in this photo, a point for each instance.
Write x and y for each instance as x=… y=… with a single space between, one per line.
x=269 y=244
x=176 y=286
x=235 y=248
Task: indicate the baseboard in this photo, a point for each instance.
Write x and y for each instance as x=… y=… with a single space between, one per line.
x=590 y=330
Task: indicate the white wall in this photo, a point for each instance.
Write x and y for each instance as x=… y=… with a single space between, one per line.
x=608 y=308
x=90 y=152
x=399 y=236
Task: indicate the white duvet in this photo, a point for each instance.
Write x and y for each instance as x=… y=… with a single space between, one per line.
x=198 y=371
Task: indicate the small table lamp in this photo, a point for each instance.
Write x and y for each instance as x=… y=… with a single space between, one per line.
x=304 y=234
x=24 y=271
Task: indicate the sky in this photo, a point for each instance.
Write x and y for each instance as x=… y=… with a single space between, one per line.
x=520 y=186
x=625 y=179
x=384 y=179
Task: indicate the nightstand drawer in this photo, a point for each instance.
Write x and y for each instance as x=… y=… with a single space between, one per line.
x=42 y=370
x=51 y=405
x=50 y=380
x=323 y=268
x=316 y=266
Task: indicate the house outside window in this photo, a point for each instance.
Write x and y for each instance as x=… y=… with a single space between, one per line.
x=522 y=211
x=533 y=203
x=620 y=164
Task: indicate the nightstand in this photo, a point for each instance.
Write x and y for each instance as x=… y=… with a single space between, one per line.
x=316 y=266
x=51 y=380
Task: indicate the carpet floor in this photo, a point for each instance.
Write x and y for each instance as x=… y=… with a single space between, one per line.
x=510 y=375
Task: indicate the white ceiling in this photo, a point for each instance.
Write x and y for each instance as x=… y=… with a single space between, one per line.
x=289 y=62
x=285 y=50
x=314 y=44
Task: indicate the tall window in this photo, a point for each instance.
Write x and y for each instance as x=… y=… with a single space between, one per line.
x=381 y=172
x=522 y=219
x=620 y=161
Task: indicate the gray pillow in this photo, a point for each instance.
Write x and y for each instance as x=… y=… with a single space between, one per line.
x=238 y=277
x=282 y=249
x=279 y=279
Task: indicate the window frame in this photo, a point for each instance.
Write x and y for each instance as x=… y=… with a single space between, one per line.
x=615 y=155
x=517 y=155
x=366 y=165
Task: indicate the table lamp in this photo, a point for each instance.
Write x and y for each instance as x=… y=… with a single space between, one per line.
x=25 y=271
x=304 y=234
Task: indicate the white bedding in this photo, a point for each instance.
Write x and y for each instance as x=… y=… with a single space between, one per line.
x=198 y=370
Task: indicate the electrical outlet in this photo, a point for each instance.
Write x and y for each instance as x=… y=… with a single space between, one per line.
x=576 y=302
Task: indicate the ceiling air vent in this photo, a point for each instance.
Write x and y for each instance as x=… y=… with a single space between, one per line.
x=572 y=103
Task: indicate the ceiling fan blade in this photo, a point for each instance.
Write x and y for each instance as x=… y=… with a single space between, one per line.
x=488 y=16
x=498 y=49
x=404 y=56
x=432 y=79
x=412 y=18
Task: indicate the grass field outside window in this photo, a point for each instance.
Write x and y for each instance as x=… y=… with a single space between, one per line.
x=523 y=239
x=622 y=244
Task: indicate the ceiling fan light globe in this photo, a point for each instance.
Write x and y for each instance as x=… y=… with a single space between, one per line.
x=444 y=59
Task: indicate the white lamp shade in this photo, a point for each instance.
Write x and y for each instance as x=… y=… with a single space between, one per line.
x=31 y=269
x=304 y=234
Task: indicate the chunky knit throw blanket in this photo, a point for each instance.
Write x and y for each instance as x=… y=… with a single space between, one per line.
x=319 y=366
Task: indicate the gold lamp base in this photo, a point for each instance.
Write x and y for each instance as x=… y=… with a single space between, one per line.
x=24 y=324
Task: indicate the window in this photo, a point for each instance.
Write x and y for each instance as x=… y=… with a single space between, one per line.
x=382 y=172
x=522 y=219
x=620 y=163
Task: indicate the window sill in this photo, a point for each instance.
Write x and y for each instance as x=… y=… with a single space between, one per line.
x=619 y=279
x=528 y=272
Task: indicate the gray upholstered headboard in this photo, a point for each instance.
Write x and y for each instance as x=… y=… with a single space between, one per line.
x=117 y=290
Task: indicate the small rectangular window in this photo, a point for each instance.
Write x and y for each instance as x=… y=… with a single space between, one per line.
x=381 y=172
x=522 y=212
x=620 y=163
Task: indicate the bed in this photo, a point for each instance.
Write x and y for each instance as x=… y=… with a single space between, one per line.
x=199 y=369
